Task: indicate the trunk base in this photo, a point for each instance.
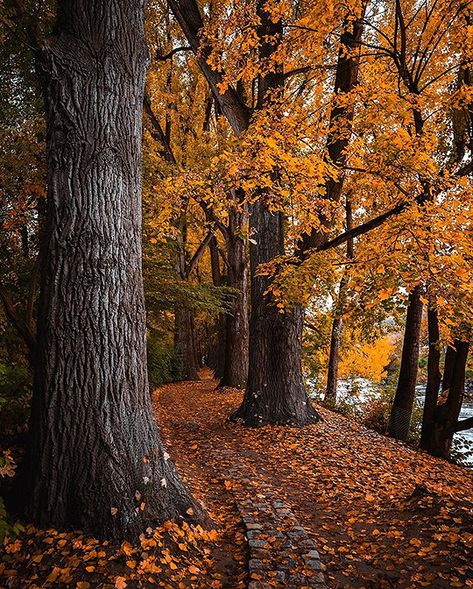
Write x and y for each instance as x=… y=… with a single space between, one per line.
x=291 y=412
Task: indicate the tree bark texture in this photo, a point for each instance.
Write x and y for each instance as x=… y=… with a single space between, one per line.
x=275 y=392
x=401 y=410
x=95 y=458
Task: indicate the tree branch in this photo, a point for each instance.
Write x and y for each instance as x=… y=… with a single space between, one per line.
x=165 y=57
x=161 y=136
x=198 y=253
x=463 y=424
x=361 y=229
x=188 y=16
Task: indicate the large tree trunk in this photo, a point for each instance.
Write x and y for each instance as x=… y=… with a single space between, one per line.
x=275 y=392
x=95 y=458
x=401 y=410
x=235 y=372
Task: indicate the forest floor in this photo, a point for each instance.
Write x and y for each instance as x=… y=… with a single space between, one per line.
x=380 y=514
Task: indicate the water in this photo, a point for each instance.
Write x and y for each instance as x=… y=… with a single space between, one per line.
x=359 y=391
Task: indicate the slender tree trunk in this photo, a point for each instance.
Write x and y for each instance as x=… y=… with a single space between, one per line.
x=433 y=379
x=449 y=365
x=401 y=410
x=95 y=458
x=216 y=348
x=446 y=415
x=332 y=376
x=185 y=344
x=235 y=373
x=335 y=339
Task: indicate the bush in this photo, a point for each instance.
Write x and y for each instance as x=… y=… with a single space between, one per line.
x=15 y=398
x=376 y=414
x=163 y=364
x=7 y=469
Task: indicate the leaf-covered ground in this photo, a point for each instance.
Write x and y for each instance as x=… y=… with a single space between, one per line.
x=381 y=514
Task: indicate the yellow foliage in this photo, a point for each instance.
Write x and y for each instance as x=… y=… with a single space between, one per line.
x=366 y=359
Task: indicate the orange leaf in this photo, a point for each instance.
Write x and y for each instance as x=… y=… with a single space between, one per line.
x=120 y=583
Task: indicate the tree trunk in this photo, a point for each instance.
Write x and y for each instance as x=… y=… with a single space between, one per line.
x=216 y=348
x=446 y=415
x=185 y=343
x=346 y=78
x=332 y=375
x=433 y=379
x=235 y=373
x=275 y=392
x=401 y=410
x=95 y=458
x=450 y=356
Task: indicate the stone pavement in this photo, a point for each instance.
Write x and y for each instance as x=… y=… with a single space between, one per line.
x=281 y=553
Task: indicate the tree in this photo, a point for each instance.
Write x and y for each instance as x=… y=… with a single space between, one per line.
x=441 y=411
x=196 y=133
x=95 y=459
x=275 y=392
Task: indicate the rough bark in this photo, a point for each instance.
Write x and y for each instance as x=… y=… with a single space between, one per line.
x=95 y=459
x=401 y=410
x=433 y=379
x=235 y=372
x=275 y=392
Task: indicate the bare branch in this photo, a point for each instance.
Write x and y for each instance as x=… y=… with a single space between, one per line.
x=165 y=57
